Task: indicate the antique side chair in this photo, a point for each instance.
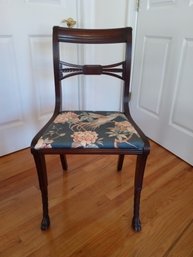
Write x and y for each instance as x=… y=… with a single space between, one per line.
x=88 y=131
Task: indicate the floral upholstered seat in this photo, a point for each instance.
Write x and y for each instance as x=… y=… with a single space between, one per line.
x=88 y=129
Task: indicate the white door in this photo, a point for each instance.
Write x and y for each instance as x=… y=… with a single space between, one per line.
x=162 y=86
x=26 y=75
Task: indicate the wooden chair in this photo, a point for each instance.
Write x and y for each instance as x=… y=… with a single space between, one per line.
x=91 y=132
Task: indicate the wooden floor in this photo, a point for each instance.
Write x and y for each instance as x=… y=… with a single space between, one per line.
x=91 y=208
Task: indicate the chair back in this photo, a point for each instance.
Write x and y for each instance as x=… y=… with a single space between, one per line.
x=63 y=69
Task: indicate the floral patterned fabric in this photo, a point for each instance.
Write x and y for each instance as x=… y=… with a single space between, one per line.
x=90 y=130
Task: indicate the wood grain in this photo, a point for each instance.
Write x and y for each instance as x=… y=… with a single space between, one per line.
x=91 y=207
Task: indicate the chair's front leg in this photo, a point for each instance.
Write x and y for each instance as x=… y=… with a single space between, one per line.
x=139 y=173
x=42 y=176
x=45 y=223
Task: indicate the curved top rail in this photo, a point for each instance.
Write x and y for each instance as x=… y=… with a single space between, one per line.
x=92 y=36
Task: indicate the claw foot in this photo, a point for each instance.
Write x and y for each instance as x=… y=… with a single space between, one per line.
x=136 y=224
x=45 y=223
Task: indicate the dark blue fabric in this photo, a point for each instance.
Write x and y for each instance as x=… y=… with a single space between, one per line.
x=89 y=129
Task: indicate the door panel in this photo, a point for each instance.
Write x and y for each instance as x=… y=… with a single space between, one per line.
x=155 y=49
x=182 y=108
x=9 y=76
x=162 y=75
x=42 y=75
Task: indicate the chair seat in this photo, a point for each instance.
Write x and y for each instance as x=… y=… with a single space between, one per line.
x=88 y=129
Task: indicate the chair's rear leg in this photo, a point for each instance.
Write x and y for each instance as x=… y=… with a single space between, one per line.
x=63 y=161
x=139 y=173
x=42 y=176
x=120 y=162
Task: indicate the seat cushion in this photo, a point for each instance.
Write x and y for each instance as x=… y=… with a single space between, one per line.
x=89 y=129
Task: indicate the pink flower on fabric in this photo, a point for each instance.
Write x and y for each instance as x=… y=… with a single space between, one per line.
x=125 y=126
x=69 y=117
x=84 y=138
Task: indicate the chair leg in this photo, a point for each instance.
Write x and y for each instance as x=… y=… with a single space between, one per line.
x=63 y=161
x=42 y=176
x=139 y=173
x=120 y=162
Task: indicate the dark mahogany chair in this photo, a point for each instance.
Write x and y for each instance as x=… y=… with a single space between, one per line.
x=91 y=132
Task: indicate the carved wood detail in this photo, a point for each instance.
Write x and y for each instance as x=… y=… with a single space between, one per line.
x=69 y=69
